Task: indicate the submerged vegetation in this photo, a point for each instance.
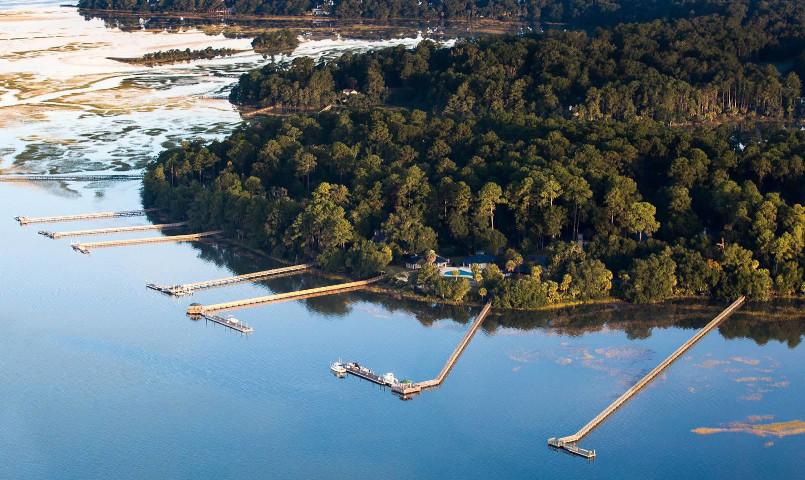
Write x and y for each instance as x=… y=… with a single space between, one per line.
x=559 y=154
x=778 y=429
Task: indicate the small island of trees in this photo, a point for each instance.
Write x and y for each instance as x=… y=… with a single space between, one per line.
x=275 y=42
x=164 y=57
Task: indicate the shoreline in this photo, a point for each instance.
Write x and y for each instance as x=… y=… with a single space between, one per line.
x=477 y=25
x=383 y=288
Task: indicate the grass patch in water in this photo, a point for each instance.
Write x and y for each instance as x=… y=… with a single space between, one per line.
x=779 y=429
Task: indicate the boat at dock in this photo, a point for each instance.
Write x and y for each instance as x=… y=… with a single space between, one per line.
x=338 y=369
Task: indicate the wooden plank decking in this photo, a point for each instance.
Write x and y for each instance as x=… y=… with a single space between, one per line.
x=83 y=216
x=85 y=248
x=67 y=178
x=189 y=288
x=106 y=231
x=278 y=297
x=411 y=388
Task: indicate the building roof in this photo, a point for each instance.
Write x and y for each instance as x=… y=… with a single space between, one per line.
x=421 y=258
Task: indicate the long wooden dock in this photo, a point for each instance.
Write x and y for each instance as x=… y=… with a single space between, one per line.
x=105 y=231
x=189 y=288
x=406 y=389
x=569 y=442
x=230 y=322
x=86 y=247
x=412 y=388
x=67 y=178
x=279 y=297
x=83 y=216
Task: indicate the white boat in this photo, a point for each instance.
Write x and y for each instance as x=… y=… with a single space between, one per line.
x=338 y=368
x=390 y=379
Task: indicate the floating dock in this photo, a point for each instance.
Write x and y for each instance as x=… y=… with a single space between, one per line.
x=406 y=389
x=568 y=443
x=230 y=322
x=571 y=448
x=189 y=288
x=105 y=231
x=85 y=248
x=83 y=216
x=366 y=374
x=279 y=297
x=67 y=178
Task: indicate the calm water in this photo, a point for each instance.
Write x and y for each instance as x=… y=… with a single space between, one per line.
x=101 y=378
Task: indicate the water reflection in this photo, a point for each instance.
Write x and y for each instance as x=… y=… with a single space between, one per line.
x=782 y=321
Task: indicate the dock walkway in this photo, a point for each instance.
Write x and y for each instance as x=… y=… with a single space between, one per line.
x=279 y=297
x=106 y=231
x=230 y=322
x=405 y=389
x=67 y=178
x=83 y=216
x=365 y=373
x=189 y=288
x=411 y=388
x=85 y=248
x=568 y=442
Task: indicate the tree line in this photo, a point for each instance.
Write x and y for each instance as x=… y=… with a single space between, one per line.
x=711 y=68
x=577 y=12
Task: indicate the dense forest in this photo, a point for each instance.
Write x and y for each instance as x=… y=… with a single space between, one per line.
x=679 y=71
x=662 y=211
x=476 y=148
x=578 y=12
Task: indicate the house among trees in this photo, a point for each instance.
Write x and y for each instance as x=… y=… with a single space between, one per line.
x=415 y=262
x=318 y=11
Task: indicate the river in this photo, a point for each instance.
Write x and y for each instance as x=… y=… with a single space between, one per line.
x=102 y=378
